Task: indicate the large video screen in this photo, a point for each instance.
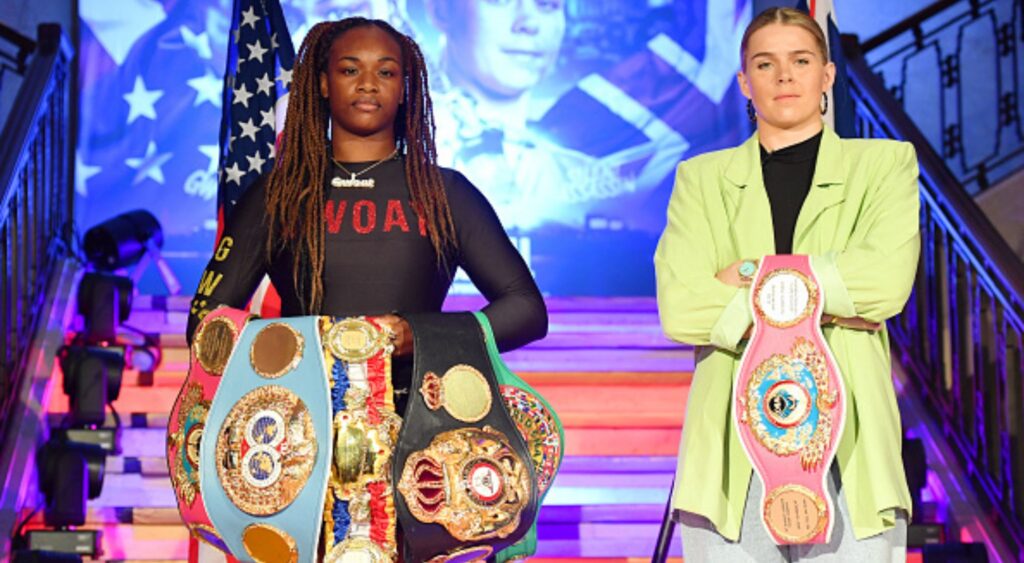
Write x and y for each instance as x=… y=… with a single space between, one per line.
x=569 y=115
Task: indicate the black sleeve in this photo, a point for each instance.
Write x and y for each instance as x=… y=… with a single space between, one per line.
x=516 y=309
x=238 y=263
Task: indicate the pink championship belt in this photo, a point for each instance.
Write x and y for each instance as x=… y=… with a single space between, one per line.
x=789 y=401
x=212 y=345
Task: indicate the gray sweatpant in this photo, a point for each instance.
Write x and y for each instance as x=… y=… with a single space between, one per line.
x=701 y=543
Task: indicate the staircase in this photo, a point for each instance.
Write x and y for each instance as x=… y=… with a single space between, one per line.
x=618 y=385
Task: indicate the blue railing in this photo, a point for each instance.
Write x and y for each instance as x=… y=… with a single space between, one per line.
x=960 y=336
x=957 y=69
x=36 y=165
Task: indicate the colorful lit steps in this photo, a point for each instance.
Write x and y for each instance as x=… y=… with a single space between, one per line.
x=618 y=385
x=165 y=377
x=132 y=483
x=532 y=560
x=159 y=533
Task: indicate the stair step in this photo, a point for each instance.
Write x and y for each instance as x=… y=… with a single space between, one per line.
x=549 y=514
x=152 y=489
x=532 y=560
x=633 y=466
x=531 y=359
x=584 y=543
x=574 y=335
x=555 y=305
x=582 y=441
x=601 y=402
x=622 y=540
x=165 y=377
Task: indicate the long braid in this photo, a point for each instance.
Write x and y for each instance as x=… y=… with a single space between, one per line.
x=295 y=188
x=421 y=170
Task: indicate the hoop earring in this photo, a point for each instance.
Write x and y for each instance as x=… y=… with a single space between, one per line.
x=824 y=99
x=751 y=114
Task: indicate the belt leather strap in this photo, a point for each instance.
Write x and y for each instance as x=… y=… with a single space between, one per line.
x=212 y=345
x=540 y=426
x=268 y=448
x=465 y=483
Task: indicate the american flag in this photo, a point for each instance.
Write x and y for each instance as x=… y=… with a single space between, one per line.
x=258 y=74
x=260 y=58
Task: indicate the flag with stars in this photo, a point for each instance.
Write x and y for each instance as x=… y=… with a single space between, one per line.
x=256 y=80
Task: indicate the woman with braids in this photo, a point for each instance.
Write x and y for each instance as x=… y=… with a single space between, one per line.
x=356 y=217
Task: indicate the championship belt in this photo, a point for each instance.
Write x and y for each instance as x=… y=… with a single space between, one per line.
x=359 y=510
x=789 y=401
x=301 y=429
x=466 y=484
x=265 y=456
x=212 y=345
x=537 y=423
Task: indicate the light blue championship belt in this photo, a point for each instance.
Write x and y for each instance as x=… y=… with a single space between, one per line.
x=298 y=442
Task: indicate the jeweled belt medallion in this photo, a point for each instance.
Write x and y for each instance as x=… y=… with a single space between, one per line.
x=266 y=450
x=468 y=480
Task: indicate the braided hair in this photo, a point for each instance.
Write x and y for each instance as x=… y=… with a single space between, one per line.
x=295 y=187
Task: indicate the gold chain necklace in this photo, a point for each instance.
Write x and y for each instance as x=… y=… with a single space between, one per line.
x=353 y=181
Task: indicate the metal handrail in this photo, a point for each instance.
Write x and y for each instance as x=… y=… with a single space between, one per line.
x=911 y=23
x=953 y=67
x=961 y=335
x=25 y=47
x=35 y=201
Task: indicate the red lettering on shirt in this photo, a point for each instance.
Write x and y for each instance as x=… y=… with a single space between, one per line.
x=357 y=216
x=395 y=215
x=334 y=218
x=364 y=217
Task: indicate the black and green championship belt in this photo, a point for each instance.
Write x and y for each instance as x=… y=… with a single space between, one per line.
x=465 y=479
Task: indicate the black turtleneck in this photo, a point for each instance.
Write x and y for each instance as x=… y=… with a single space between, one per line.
x=787 y=175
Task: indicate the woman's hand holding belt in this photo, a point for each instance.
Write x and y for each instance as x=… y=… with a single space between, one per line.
x=400 y=334
x=730 y=275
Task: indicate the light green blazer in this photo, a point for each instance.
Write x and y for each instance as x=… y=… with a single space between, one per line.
x=859 y=224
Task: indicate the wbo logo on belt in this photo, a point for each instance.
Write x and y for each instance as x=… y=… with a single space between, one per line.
x=789 y=403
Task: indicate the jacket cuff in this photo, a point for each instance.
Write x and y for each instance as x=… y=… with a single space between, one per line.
x=733 y=322
x=837 y=298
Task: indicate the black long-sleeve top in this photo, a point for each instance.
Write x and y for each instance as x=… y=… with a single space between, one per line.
x=379 y=259
x=787 y=174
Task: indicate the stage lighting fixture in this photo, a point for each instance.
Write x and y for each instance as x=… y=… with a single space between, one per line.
x=92 y=379
x=923 y=529
x=104 y=301
x=123 y=240
x=144 y=358
x=70 y=473
x=53 y=547
x=915 y=468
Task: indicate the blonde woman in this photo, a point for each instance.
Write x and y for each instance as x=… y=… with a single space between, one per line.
x=793 y=188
